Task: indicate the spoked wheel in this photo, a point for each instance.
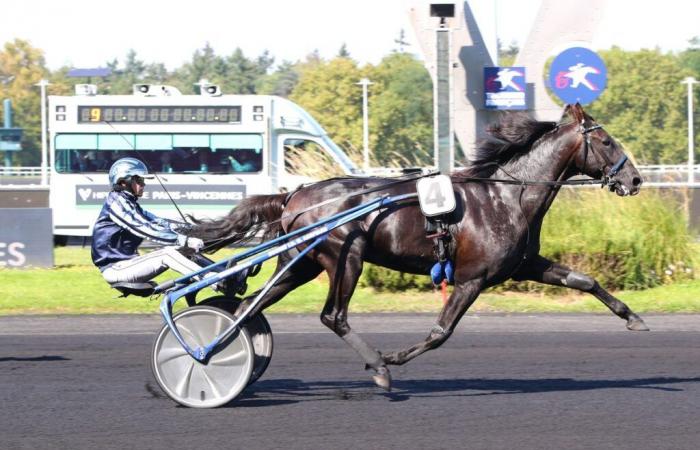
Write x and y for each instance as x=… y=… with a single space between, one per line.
x=194 y=384
x=258 y=329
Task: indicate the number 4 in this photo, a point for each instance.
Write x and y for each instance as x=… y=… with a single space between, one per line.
x=435 y=195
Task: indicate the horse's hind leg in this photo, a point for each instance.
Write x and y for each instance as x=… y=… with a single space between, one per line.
x=545 y=271
x=463 y=295
x=302 y=272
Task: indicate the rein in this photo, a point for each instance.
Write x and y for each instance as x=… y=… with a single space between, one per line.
x=607 y=180
x=325 y=202
x=339 y=198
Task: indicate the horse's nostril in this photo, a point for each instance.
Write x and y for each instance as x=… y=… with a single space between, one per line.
x=636 y=181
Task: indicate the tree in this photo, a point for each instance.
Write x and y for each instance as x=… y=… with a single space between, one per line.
x=205 y=64
x=643 y=105
x=401 y=107
x=243 y=74
x=506 y=56
x=280 y=82
x=21 y=68
x=236 y=73
x=400 y=104
x=328 y=91
x=156 y=73
x=123 y=78
x=690 y=58
x=343 y=52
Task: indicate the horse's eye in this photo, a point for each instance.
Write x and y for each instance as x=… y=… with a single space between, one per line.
x=606 y=142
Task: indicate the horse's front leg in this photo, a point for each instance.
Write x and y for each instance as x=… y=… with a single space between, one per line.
x=462 y=297
x=542 y=270
x=344 y=271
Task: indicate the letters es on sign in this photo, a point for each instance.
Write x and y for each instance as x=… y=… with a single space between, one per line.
x=26 y=238
x=435 y=195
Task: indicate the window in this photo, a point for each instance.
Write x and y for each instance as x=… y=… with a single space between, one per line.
x=162 y=153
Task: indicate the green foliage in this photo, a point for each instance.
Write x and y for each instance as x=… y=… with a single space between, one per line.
x=343 y=52
x=281 y=81
x=400 y=104
x=76 y=287
x=690 y=58
x=401 y=111
x=21 y=68
x=643 y=105
x=383 y=279
x=328 y=91
x=506 y=56
x=236 y=73
x=132 y=72
x=625 y=243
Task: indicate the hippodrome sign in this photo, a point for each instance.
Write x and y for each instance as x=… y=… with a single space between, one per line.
x=182 y=194
x=577 y=75
x=504 y=88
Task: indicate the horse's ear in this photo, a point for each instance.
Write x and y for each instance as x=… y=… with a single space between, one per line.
x=575 y=112
x=565 y=113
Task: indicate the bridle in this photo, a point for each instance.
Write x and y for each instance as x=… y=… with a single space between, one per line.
x=609 y=178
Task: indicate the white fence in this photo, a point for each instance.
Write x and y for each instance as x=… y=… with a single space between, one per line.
x=670 y=175
x=32 y=171
x=25 y=177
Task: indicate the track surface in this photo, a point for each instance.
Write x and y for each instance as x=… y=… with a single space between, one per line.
x=500 y=382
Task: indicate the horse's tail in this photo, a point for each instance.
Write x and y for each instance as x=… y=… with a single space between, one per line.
x=251 y=216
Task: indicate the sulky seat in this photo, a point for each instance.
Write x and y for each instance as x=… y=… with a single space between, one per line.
x=141 y=289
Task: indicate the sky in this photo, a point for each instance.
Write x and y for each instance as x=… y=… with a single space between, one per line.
x=82 y=33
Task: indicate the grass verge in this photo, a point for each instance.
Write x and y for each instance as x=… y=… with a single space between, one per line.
x=76 y=287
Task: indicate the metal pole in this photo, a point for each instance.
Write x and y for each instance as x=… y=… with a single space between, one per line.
x=690 y=81
x=7 y=108
x=444 y=143
x=365 y=124
x=44 y=150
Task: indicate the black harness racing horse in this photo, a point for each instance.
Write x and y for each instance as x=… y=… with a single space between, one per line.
x=502 y=198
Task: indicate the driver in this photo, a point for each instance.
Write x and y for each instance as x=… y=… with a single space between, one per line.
x=122 y=225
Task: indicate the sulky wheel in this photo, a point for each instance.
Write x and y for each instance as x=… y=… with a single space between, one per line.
x=194 y=384
x=258 y=329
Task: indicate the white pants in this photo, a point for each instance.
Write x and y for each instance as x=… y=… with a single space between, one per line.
x=145 y=267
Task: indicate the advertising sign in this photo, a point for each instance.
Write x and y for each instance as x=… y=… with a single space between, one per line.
x=26 y=238
x=504 y=88
x=207 y=194
x=577 y=75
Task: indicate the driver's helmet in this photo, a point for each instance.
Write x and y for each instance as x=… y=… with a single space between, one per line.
x=125 y=168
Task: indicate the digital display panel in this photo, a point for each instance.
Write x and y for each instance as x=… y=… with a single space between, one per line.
x=159 y=114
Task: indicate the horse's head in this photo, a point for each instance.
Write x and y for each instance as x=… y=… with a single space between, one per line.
x=599 y=155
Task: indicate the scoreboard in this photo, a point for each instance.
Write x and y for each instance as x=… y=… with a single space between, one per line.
x=159 y=114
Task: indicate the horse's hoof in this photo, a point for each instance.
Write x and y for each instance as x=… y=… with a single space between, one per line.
x=635 y=323
x=383 y=378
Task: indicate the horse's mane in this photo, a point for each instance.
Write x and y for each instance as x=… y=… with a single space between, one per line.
x=512 y=136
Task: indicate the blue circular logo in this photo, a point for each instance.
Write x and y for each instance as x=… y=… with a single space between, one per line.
x=578 y=75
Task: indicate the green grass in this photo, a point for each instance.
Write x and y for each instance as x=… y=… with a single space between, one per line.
x=76 y=287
